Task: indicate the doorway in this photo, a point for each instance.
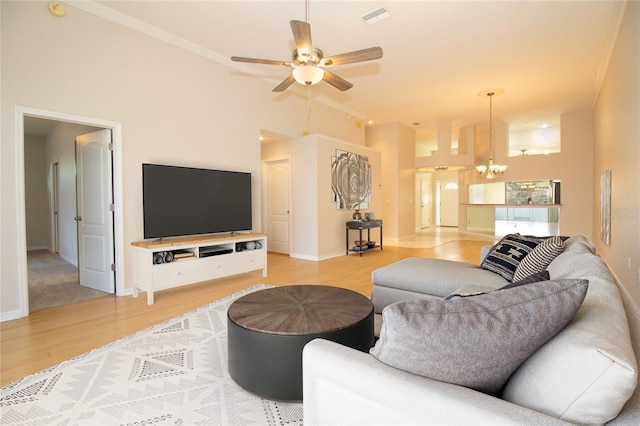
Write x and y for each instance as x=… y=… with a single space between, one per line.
x=56 y=233
x=57 y=257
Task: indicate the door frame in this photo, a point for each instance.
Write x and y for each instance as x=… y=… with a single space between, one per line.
x=116 y=135
x=54 y=169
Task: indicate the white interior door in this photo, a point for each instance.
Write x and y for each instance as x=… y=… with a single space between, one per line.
x=94 y=211
x=278 y=239
x=426 y=204
x=448 y=203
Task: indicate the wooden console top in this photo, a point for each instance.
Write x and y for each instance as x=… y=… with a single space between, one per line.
x=197 y=240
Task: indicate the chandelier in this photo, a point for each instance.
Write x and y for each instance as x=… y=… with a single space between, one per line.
x=491 y=170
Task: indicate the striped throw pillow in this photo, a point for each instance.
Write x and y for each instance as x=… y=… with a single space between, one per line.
x=539 y=258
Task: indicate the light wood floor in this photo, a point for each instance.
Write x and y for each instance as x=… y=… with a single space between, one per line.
x=50 y=336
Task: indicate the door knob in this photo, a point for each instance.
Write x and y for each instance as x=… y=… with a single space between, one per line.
x=77 y=218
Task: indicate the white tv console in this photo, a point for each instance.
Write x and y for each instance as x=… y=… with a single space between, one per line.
x=196 y=259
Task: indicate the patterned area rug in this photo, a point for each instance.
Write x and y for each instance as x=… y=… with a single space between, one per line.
x=174 y=373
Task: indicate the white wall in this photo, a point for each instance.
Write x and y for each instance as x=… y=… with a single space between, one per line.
x=175 y=107
x=617 y=147
x=331 y=222
x=318 y=228
x=396 y=142
x=35 y=182
x=573 y=166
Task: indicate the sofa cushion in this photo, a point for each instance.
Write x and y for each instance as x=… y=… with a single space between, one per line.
x=479 y=341
x=539 y=258
x=506 y=255
x=474 y=290
x=424 y=278
x=588 y=371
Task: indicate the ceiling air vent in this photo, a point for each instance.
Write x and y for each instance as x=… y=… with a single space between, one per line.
x=375 y=16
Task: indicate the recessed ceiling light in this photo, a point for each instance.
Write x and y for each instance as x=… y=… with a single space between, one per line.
x=375 y=16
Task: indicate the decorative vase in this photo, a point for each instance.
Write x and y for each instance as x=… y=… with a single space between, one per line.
x=357 y=215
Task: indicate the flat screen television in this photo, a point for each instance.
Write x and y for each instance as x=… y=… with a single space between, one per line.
x=181 y=201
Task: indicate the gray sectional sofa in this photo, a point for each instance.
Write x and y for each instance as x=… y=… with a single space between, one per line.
x=586 y=374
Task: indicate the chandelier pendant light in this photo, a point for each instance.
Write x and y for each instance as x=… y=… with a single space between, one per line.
x=491 y=170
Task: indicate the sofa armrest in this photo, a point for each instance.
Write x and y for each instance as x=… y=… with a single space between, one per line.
x=484 y=251
x=345 y=386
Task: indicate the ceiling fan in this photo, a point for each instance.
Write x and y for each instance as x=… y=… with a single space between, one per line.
x=309 y=64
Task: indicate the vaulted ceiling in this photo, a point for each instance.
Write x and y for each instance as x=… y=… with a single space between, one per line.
x=440 y=57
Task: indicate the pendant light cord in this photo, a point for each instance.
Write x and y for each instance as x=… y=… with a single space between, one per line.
x=308 y=106
x=490 y=94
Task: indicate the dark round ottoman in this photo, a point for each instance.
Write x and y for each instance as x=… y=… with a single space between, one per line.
x=268 y=329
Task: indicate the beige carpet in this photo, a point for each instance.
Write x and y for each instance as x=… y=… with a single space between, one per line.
x=54 y=282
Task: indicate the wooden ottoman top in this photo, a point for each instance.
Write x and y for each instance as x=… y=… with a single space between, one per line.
x=300 y=310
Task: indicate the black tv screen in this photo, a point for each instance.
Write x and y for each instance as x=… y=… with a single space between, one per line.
x=188 y=201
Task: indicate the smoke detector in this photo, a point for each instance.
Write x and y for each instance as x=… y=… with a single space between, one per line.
x=56 y=9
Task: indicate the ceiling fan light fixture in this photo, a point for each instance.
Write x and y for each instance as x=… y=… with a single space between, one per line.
x=308 y=74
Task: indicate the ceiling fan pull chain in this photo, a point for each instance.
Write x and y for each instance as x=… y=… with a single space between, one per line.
x=308 y=107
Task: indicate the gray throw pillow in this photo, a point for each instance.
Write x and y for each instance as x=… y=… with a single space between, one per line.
x=533 y=278
x=506 y=255
x=476 y=342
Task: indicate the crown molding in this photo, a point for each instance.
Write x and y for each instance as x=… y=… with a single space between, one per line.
x=94 y=8
x=150 y=30
x=617 y=16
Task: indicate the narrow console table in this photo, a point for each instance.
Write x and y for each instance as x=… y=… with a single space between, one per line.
x=159 y=265
x=359 y=225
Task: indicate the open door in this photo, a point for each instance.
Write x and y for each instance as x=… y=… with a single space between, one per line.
x=95 y=211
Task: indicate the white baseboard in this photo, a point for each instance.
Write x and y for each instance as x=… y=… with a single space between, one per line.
x=32 y=248
x=74 y=262
x=11 y=315
x=303 y=256
x=316 y=258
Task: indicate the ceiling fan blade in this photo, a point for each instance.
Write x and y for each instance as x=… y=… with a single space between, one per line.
x=337 y=82
x=259 y=61
x=285 y=84
x=302 y=35
x=351 y=57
